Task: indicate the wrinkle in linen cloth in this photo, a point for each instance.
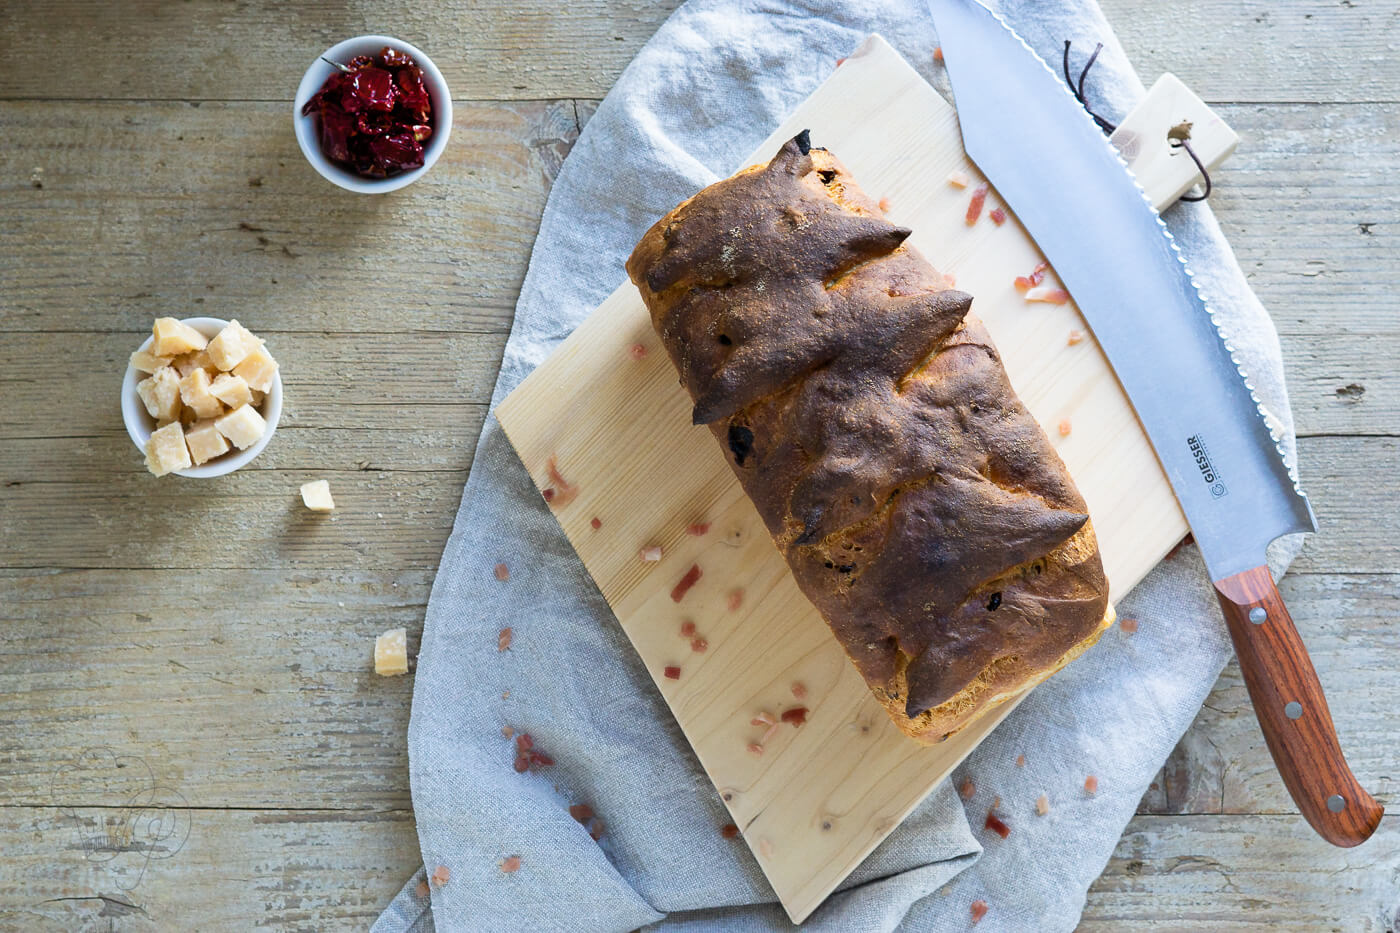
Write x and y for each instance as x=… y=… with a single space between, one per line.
x=706 y=89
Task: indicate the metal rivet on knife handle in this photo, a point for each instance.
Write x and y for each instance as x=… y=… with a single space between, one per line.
x=1336 y=804
x=1293 y=710
x=1258 y=615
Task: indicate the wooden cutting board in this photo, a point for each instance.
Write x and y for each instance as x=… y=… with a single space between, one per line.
x=617 y=430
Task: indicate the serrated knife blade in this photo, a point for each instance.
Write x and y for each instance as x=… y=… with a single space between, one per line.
x=1072 y=192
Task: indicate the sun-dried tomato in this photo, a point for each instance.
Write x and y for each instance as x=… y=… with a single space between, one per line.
x=692 y=576
x=374 y=115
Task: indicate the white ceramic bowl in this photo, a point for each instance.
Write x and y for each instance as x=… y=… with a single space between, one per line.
x=306 y=126
x=140 y=424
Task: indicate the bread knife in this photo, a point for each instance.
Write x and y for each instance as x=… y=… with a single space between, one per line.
x=1081 y=204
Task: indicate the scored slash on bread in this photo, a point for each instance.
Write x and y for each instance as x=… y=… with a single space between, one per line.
x=868 y=416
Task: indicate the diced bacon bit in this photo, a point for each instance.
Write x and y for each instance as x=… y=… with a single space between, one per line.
x=581 y=812
x=502 y=572
x=968 y=789
x=755 y=749
x=507 y=731
x=548 y=494
x=687 y=629
x=686 y=582
x=565 y=491
x=422 y=889
x=595 y=832
x=1129 y=625
x=735 y=599
x=1075 y=336
x=998 y=216
x=885 y=205
x=958 y=178
x=1091 y=785
x=441 y=875
x=1027 y=282
x=698 y=529
x=938 y=53
x=505 y=695
x=1042 y=805
x=799 y=690
x=974 y=207
x=762 y=718
x=770 y=732
x=950 y=279
x=637 y=351
x=995 y=824
x=728 y=831
x=979 y=910
x=1065 y=427
x=1048 y=294
x=528 y=757
x=797 y=715
x=839 y=61
x=596 y=523
x=503 y=640
x=650 y=554
x=699 y=645
x=1020 y=761
x=510 y=864
x=672 y=672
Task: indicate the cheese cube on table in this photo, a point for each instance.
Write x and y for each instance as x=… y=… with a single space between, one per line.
x=160 y=393
x=232 y=345
x=257 y=369
x=166 y=451
x=231 y=390
x=391 y=653
x=187 y=363
x=205 y=442
x=173 y=338
x=317 y=496
x=243 y=426
x=147 y=362
x=194 y=392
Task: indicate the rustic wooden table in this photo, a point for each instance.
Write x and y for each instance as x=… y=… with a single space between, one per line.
x=202 y=647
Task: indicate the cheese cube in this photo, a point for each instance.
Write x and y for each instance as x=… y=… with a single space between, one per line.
x=243 y=426
x=232 y=345
x=165 y=450
x=194 y=392
x=187 y=363
x=205 y=442
x=173 y=338
x=147 y=362
x=257 y=369
x=317 y=496
x=231 y=390
x=391 y=653
x=160 y=392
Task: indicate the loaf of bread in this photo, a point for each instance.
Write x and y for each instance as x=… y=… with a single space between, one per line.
x=868 y=417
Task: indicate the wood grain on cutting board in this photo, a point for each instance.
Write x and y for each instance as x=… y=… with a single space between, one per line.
x=617 y=428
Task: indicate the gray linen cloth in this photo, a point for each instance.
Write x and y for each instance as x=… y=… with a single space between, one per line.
x=698 y=98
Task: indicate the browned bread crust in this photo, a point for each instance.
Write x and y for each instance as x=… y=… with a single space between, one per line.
x=868 y=416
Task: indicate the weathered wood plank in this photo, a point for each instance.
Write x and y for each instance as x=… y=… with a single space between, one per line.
x=1222 y=764
x=1231 y=873
x=239 y=688
x=117 y=213
x=236 y=870
x=1348 y=479
x=1227 y=51
x=486 y=50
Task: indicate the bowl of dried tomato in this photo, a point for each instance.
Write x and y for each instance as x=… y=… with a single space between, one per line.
x=372 y=114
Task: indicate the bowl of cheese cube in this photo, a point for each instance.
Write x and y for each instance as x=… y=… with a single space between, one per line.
x=201 y=397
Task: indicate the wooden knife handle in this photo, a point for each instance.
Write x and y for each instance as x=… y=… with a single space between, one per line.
x=1292 y=710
